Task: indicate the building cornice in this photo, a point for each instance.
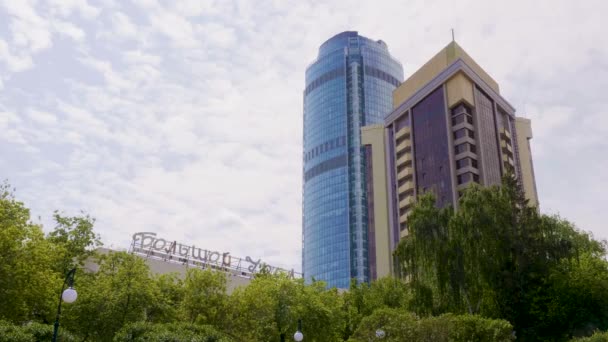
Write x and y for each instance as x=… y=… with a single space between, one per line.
x=459 y=65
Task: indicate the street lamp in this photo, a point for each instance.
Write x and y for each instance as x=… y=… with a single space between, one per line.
x=380 y=333
x=298 y=336
x=68 y=296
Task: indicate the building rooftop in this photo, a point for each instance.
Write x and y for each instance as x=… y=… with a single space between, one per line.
x=433 y=67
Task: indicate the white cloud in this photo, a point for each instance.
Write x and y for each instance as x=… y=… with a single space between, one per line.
x=29 y=30
x=69 y=30
x=176 y=28
x=185 y=117
x=68 y=7
x=123 y=27
x=41 y=117
x=14 y=63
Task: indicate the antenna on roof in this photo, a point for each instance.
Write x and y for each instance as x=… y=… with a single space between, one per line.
x=452 y=34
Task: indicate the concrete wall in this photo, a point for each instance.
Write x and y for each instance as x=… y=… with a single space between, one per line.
x=433 y=67
x=374 y=136
x=460 y=88
x=523 y=127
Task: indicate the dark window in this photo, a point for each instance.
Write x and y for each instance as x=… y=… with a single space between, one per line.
x=461 y=109
x=461 y=118
x=463 y=132
x=464 y=178
x=461 y=148
x=468 y=177
x=466 y=162
x=472 y=148
x=458 y=119
x=463 y=163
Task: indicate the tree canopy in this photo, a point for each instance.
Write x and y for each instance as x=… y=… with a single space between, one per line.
x=491 y=270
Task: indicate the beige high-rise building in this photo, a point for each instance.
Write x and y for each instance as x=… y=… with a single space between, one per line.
x=450 y=127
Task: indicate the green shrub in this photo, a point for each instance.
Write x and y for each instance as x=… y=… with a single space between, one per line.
x=597 y=337
x=174 y=332
x=44 y=332
x=14 y=333
x=31 y=332
x=403 y=326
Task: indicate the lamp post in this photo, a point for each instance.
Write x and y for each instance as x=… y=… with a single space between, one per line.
x=298 y=336
x=68 y=296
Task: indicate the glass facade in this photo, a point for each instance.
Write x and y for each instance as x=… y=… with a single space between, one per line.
x=350 y=85
x=431 y=148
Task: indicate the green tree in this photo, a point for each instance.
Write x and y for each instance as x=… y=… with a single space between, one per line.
x=168 y=297
x=205 y=297
x=28 y=283
x=494 y=256
x=271 y=305
x=399 y=325
x=363 y=299
x=74 y=239
x=119 y=293
x=175 y=332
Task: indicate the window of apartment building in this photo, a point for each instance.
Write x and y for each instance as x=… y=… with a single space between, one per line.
x=466 y=162
x=462 y=118
x=464 y=132
x=468 y=177
x=464 y=147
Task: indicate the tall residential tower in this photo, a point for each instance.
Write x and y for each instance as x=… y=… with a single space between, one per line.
x=450 y=127
x=348 y=86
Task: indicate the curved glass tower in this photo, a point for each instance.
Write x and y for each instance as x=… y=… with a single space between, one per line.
x=350 y=85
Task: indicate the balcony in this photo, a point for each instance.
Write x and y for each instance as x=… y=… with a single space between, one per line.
x=505 y=133
x=403 y=218
x=403 y=145
x=506 y=147
x=406 y=157
x=406 y=203
x=405 y=173
x=403 y=131
x=405 y=187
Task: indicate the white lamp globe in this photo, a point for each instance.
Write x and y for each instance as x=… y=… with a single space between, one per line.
x=69 y=295
x=298 y=336
x=380 y=333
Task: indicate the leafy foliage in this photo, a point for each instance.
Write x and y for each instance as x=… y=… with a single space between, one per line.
x=31 y=332
x=597 y=337
x=120 y=292
x=497 y=256
x=399 y=325
x=271 y=306
x=465 y=273
x=205 y=297
x=146 y=332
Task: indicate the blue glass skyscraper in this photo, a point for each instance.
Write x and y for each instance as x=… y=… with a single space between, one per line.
x=348 y=86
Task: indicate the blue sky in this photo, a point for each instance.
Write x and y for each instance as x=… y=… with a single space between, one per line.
x=185 y=117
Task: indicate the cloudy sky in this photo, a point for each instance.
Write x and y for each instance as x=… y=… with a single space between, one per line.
x=185 y=117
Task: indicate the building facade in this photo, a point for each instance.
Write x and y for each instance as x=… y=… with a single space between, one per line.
x=450 y=127
x=348 y=86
